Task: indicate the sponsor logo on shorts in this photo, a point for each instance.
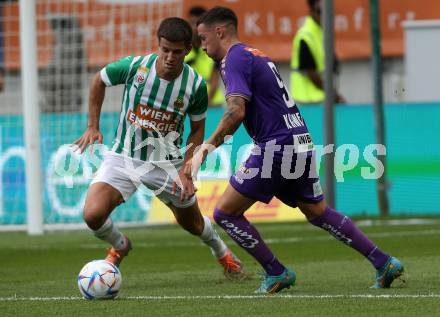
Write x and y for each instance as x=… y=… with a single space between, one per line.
x=238 y=179
x=303 y=143
x=317 y=189
x=242 y=174
x=244 y=170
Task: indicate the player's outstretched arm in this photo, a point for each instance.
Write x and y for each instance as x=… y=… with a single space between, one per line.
x=229 y=123
x=195 y=139
x=96 y=98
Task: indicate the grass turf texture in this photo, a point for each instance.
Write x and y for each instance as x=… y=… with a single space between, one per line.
x=170 y=273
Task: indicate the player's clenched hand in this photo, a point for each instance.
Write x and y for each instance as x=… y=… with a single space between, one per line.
x=186 y=185
x=89 y=138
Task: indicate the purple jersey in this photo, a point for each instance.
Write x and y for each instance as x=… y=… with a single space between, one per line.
x=271 y=114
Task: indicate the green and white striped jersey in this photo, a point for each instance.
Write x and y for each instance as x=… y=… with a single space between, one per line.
x=153 y=109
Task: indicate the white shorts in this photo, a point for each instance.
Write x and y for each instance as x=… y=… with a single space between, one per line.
x=127 y=174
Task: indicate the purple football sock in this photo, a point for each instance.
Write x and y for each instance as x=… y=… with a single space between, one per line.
x=343 y=229
x=247 y=236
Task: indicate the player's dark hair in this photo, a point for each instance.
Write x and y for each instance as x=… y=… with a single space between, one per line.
x=311 y=3
x=175 y=30
x=219 y=15
x=197 y=11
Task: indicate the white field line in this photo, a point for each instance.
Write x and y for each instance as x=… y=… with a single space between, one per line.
x=196 y=243
x=298 y=227
x=304 y=225
x=397 y=222
x=372 y=235
x=284 y=240
x=233 y=297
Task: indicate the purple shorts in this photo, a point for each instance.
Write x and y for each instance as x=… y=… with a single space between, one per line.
x=288 y=181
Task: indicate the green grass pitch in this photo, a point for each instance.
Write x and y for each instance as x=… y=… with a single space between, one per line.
x=170 y=273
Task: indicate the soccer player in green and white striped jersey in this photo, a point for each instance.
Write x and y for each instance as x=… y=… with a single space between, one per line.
x=159 y=90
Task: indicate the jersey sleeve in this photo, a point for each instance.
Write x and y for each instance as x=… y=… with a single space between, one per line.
x=238 y=74
x=117 y=72
x=197 y=110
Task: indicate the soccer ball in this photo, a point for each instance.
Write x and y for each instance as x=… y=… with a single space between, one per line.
x=99 y=279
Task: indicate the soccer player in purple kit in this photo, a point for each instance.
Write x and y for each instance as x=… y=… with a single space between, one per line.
x=257 y=96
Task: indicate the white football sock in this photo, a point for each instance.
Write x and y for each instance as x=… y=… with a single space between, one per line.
x=211 y=238
x=108 y=232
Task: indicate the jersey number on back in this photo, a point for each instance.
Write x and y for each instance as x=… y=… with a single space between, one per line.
x=289 y=102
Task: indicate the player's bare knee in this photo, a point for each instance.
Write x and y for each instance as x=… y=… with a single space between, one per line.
x=93 y=222
x=228 y=210
x=312 y=211
x=93 y=217
x=310 y=215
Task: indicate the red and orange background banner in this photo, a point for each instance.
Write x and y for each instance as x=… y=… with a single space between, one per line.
x=271 y=25
x=115 y=30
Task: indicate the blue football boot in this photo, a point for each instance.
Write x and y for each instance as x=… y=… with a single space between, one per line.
x=388 y=273
x=274 y=284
